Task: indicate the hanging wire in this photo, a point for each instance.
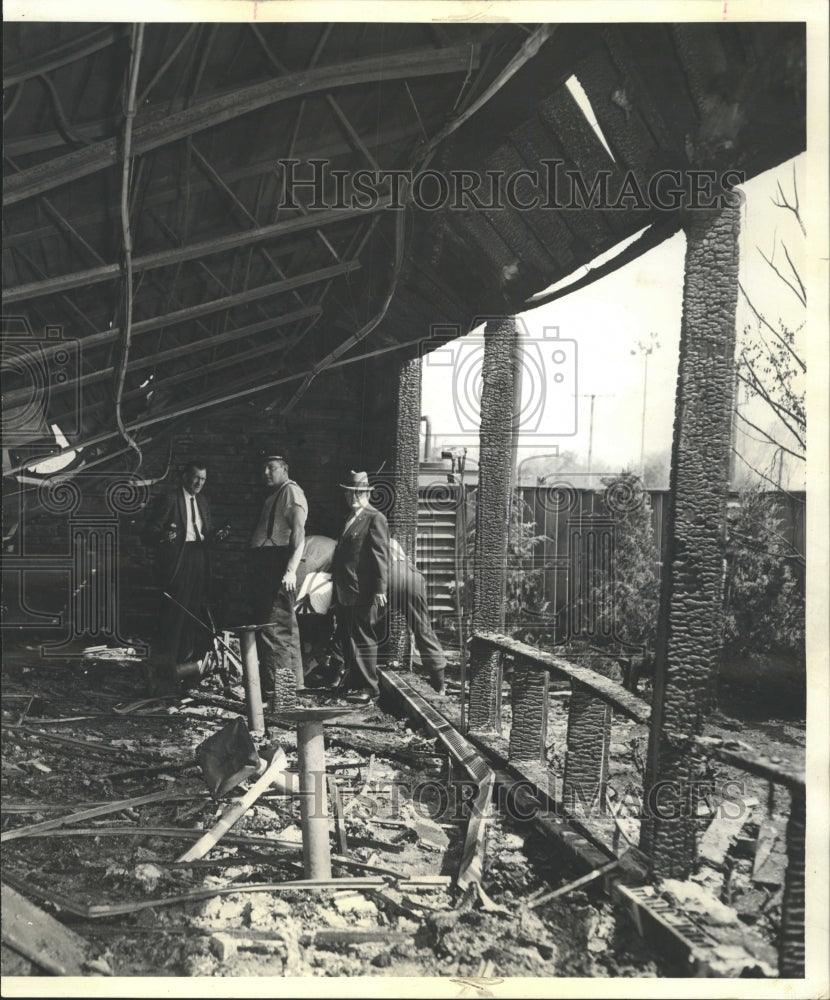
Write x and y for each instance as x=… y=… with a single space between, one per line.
x=129 y=115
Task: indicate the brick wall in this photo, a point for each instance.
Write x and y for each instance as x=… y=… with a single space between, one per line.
x=343 y=421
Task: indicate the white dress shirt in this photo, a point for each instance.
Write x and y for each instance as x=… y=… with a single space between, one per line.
x=190 y=505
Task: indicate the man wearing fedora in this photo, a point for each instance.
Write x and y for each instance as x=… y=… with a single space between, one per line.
x=360 y=567
x=274 y=555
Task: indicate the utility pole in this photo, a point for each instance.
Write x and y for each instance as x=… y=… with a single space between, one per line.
x=592 y=396
x=645 y=348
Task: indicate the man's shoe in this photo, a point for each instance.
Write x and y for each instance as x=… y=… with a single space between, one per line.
x=364 y=697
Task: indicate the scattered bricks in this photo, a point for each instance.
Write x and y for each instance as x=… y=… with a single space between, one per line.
x=430 y=835
x=223 y=946
x=354 y=902
x=722 y=831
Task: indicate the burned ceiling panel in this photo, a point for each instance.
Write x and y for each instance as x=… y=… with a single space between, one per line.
x=239 y=281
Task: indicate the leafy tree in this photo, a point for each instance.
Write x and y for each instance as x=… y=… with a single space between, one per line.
x=631 y=617
x=764 y=597
x=524 y=580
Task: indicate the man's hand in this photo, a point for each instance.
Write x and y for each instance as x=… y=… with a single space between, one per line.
x=171 y=534
x=289 y=582
x=380 y=600
x=222 y=533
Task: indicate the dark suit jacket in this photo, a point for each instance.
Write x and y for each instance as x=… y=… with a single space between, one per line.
x=360 y=564
x=169 y=509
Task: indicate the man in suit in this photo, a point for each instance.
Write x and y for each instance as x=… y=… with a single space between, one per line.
x=179 y=528
x=407 y=593
x=274 y=555
x=360 y=567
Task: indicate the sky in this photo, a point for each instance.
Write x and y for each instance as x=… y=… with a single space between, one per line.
x=603 y=325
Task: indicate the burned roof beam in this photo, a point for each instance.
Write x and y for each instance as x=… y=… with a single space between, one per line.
x=62 y=55
x=171 y=192
x=216 y=179
x=193 y=251
x=202 y=308
x=184 y=350
x=216 y=110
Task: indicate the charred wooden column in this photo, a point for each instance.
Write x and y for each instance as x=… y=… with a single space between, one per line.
x=496 y=459
x=588 y=743
x=403 y=519
x=529 y=721
x=791 y=934
x=690 y=617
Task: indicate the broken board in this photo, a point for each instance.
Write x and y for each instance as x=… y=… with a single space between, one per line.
x=40 y=938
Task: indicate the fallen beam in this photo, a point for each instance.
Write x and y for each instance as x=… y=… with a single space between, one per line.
x=92 y=910
x=40 y=938
x=471 y=870
x=609 y=691
x=77 y=817
x=148 y=135
x=235 y=812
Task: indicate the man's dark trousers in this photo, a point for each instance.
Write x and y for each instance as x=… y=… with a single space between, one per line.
x=358 y=629
x=278 y=645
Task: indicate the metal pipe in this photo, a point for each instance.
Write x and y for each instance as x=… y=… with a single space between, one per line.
x=314 y=815
x=250 y=673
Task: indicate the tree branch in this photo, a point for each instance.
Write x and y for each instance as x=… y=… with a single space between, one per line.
x=777 y=407
x=789 y=284
x=772 y=482
x=773 y=331
x=785 y=204
x=769 y=437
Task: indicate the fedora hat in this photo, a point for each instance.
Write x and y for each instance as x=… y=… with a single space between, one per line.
x=355 y=481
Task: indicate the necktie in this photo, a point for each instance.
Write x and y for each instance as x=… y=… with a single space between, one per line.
x=195 y=523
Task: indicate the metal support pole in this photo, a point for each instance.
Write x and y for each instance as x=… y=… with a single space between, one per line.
x=314 y=814
x=250 y=671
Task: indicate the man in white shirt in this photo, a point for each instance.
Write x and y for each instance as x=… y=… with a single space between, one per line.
x=274 y=555
x=178 y=528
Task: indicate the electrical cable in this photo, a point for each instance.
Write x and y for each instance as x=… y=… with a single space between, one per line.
x=129 y=115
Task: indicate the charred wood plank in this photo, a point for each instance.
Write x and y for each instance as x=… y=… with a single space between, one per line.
x=216 y=110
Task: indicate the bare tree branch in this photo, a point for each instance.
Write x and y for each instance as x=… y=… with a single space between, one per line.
x=772 y=482
x=799 y=295
x=778 y=407
x=769 y=437
x=771 y=328
x=792 y=207
x=794 y=269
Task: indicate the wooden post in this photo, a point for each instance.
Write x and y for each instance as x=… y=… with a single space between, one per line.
x=691 y=598
x=791 y=935
x=586 y=760
x=403 y=520
x=529 y=699
x=250 y=670
x=496 y=457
